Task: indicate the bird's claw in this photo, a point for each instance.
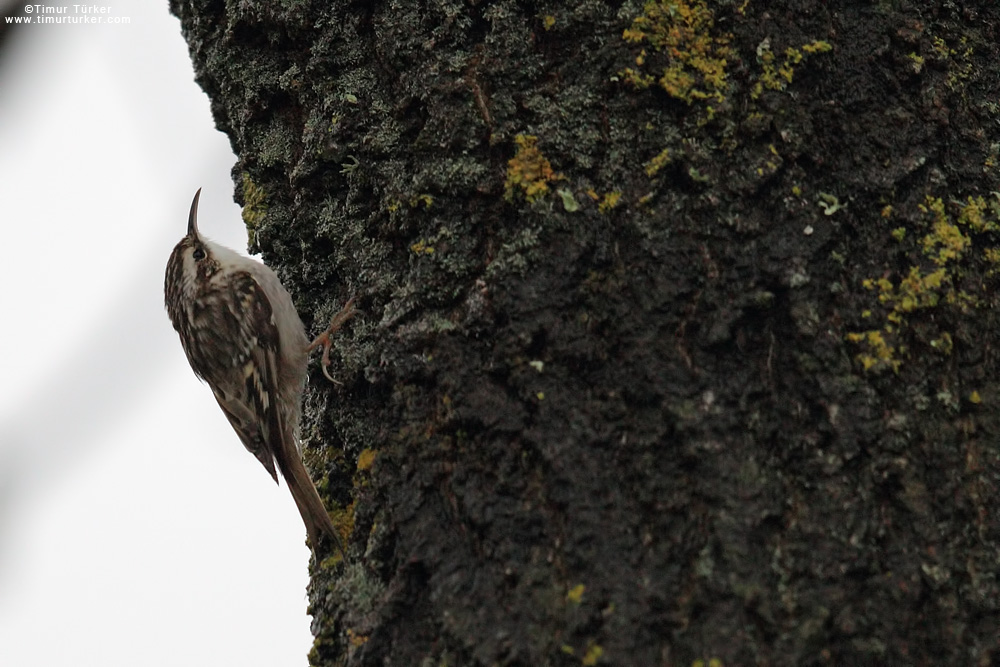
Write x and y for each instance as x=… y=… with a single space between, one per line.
x=346 y=313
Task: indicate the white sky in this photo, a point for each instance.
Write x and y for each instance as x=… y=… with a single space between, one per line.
x=134 y=527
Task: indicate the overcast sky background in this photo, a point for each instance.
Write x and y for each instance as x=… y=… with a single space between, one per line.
x=134 y=527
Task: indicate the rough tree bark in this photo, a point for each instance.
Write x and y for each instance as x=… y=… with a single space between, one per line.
x=676 y=333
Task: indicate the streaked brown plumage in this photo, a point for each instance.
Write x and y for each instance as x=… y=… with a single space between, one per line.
x=242 y=335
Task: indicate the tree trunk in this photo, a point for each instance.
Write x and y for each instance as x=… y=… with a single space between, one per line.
x=675 y=339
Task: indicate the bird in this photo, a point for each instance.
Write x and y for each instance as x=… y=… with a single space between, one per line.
x=243 y=336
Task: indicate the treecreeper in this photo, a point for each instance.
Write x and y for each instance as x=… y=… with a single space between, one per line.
x=242 y=335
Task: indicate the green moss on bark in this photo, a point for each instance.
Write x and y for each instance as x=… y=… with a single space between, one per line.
x=639 y=381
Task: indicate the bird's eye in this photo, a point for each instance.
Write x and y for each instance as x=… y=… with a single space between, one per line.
x=198 y=254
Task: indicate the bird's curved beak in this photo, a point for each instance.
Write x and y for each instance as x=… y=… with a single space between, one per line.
x=193 y=215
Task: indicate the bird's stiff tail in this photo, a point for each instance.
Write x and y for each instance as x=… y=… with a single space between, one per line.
x=310 y=505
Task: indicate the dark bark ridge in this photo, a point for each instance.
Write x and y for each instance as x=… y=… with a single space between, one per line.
x=604 y=364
